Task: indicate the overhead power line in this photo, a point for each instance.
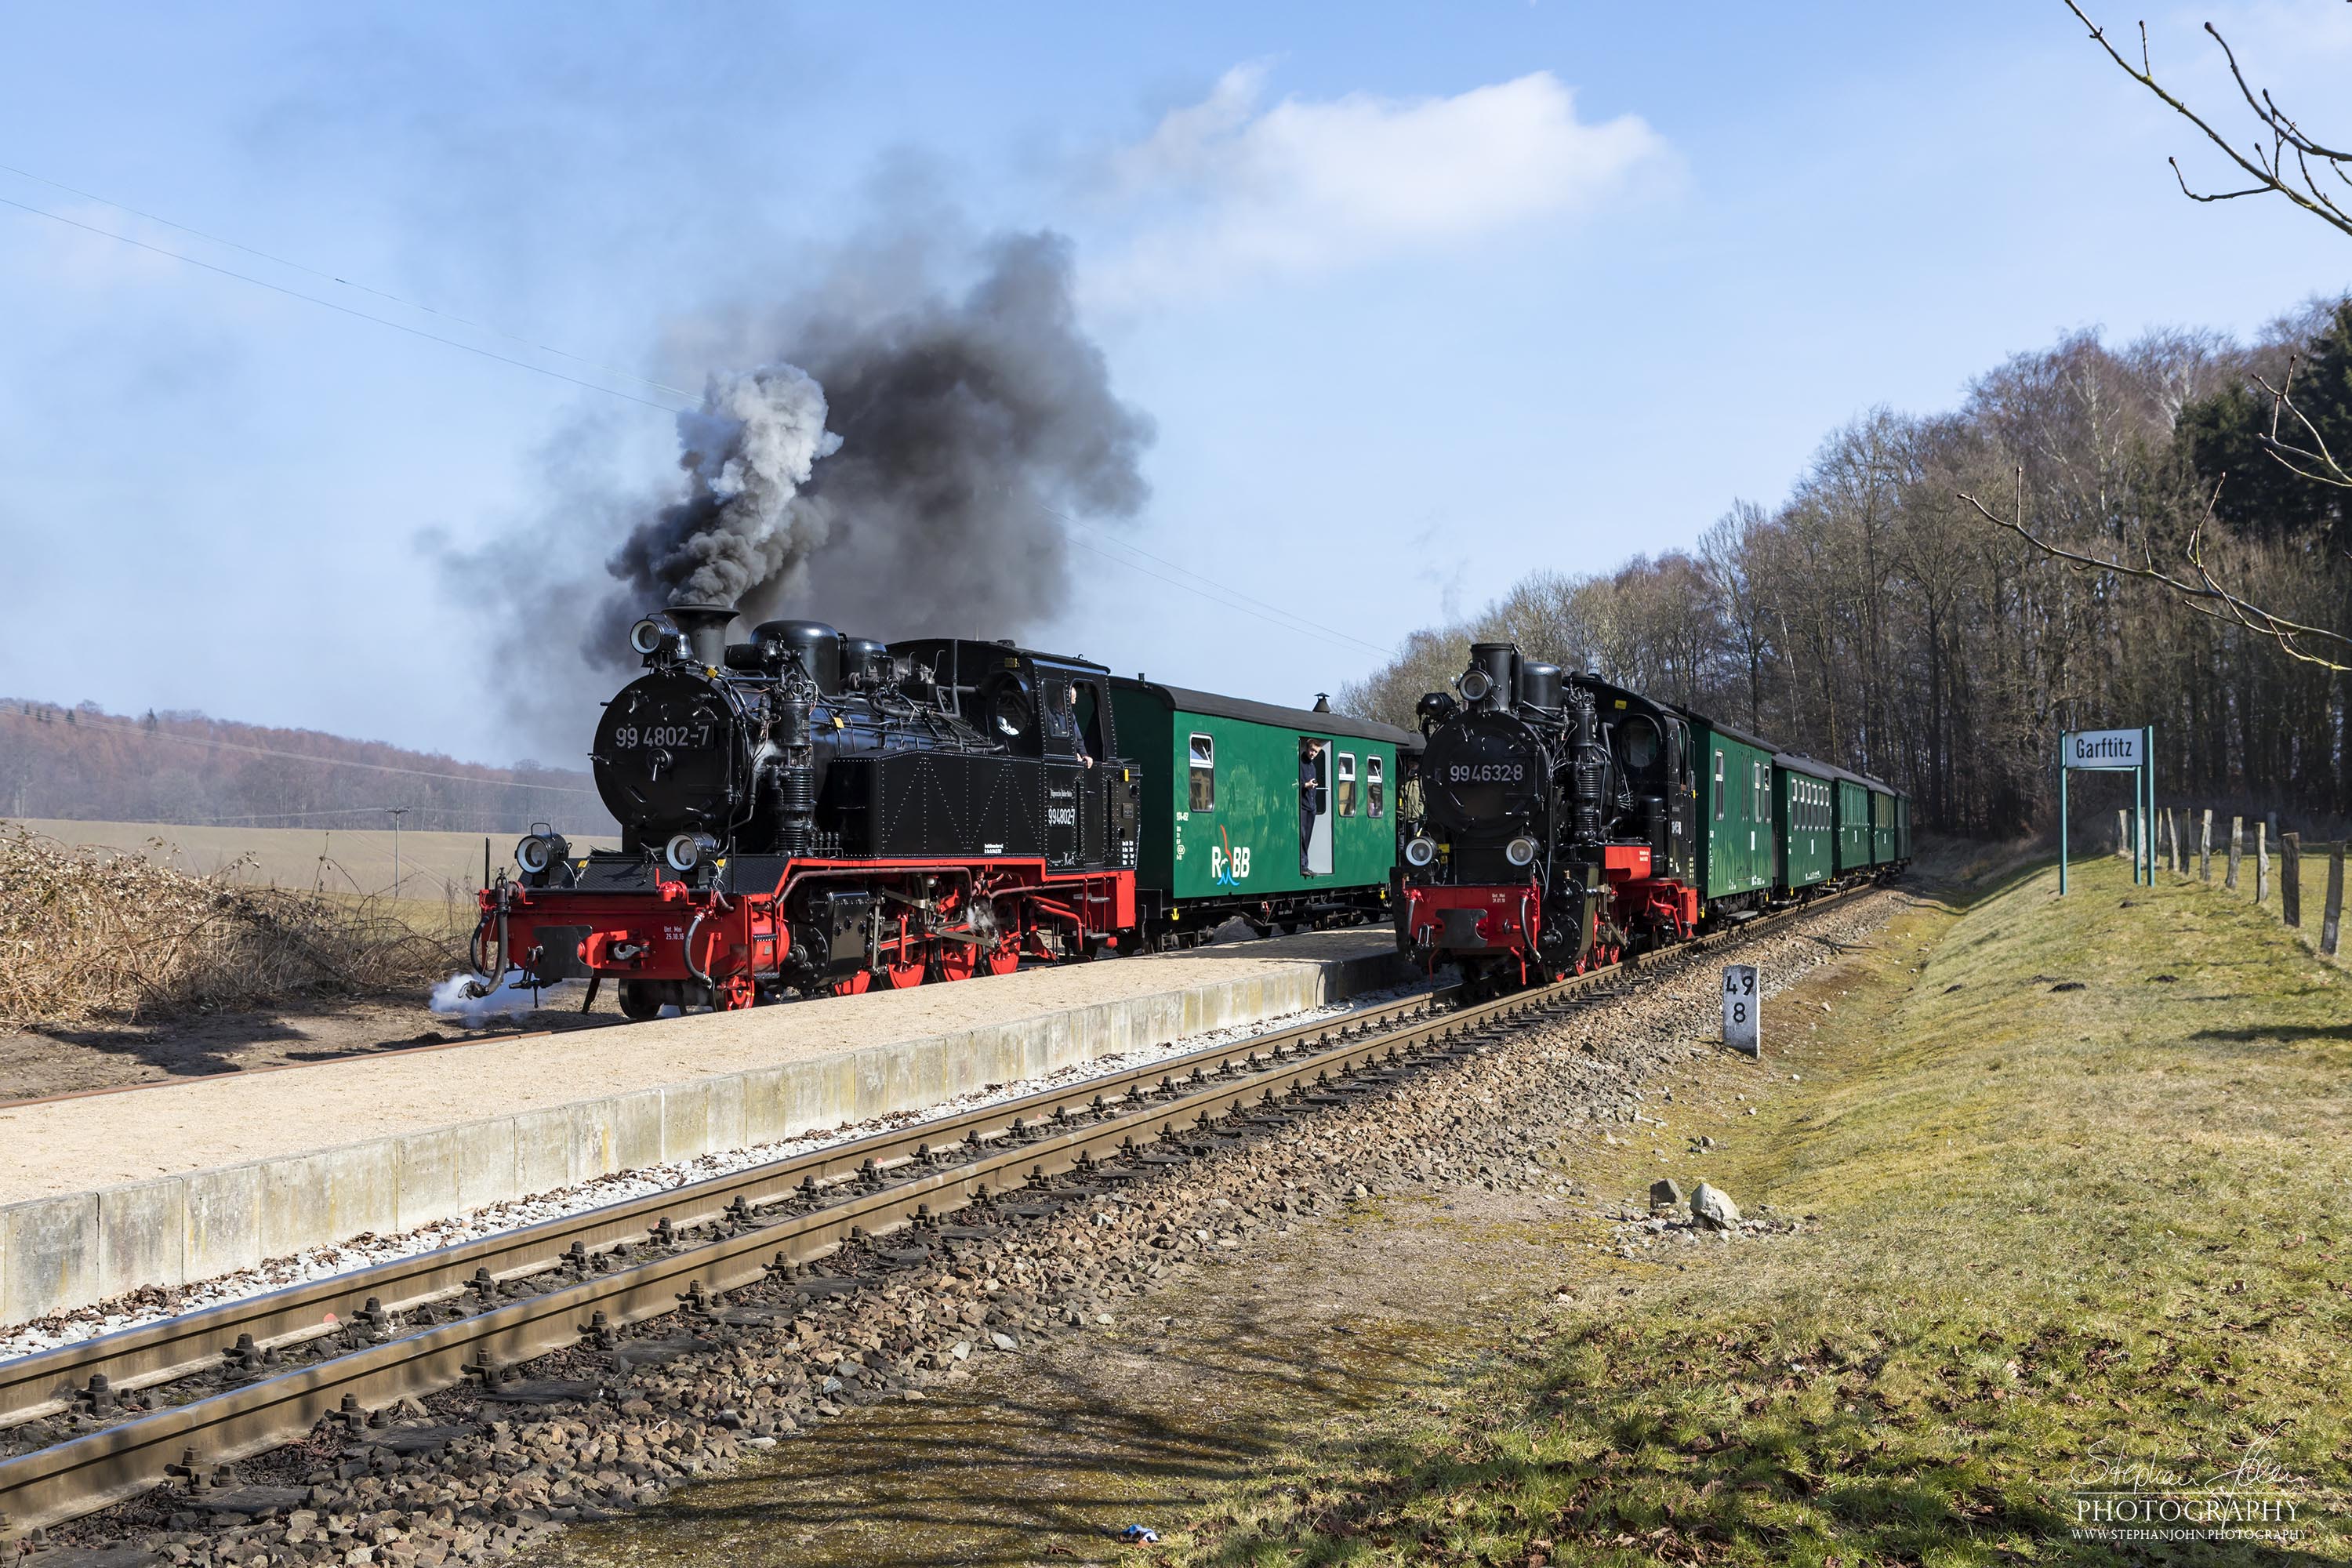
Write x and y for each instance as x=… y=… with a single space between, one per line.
x=301 y=756
x=345 y=282
x=344 y=310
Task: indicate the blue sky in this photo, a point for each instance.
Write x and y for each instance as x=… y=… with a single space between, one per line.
x=1419 y=297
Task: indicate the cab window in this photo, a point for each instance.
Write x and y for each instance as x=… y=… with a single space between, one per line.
x=1205 y=774
x=1376 y=803
x=1347 y=788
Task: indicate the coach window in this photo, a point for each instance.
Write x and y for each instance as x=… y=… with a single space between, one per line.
x=1205 y=774
x=1376 y=803
x=1718 y=784
x=1347 y=790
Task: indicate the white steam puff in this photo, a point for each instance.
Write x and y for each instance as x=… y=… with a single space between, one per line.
x=747 y=452
x=967 y=425
x=453 y=999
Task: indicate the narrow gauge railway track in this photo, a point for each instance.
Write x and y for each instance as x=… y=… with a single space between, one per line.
x=191 y=1394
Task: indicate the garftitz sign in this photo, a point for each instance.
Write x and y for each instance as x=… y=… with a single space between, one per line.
x=2106 y=748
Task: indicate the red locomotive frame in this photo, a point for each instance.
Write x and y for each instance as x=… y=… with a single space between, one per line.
x=1509 y=915
x=730 y=942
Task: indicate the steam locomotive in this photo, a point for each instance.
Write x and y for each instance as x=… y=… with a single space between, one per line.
x=810 y=813
x=1567 y=821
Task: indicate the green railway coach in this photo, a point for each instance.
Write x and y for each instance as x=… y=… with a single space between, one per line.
x=1853 y=816
x=1281 y=815
x=1804 y=835
x=1883 y=846
x=1735 y=814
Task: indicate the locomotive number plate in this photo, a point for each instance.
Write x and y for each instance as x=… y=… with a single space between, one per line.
x=1485 y=772
x=629 y=736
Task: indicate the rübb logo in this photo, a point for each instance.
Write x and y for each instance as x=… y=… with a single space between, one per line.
x=1485 y=772
x=1228 y=867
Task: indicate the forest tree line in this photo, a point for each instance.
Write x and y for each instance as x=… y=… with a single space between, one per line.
x=90 y=765
x=1878 y=621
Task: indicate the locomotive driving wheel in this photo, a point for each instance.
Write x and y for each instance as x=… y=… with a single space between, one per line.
x=898 y=974
x=854 y=986
x=957 y=960
x=734 y=992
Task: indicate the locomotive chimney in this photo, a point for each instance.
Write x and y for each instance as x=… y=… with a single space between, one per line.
x=705 y=627
x=1499 y=661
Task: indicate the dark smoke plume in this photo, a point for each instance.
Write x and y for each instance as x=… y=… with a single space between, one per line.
x=896 y=471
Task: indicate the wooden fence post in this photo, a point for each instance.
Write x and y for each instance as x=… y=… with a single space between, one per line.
x=2180 y=865
x=2290 y=878
x=2334 y=911
x=2262 y=861
x=2205 y=847
x=2237 y=852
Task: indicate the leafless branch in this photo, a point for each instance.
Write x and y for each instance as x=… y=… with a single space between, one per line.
x=2315 y=462
x=2268 y=169
x=2204 y=593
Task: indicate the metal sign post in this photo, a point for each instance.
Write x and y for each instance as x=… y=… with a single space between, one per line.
x=2113 y=750
x=1741 y=1029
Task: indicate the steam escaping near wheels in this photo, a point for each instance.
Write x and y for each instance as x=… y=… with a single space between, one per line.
x=466 y=999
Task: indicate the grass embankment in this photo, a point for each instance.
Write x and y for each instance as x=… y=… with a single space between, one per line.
x=94 y=934
x=2082 y=1223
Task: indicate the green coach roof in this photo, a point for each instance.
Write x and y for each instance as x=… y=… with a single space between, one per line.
x=1304 y=720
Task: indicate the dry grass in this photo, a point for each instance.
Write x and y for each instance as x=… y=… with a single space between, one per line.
x=2078 y=1170
x=95 y=934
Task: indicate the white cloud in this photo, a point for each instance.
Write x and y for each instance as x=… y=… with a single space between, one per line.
x=1229 y=188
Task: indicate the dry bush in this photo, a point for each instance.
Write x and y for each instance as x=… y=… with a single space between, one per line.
x=89 y=933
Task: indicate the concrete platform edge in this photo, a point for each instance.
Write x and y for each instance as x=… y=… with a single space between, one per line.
x=76 y=1250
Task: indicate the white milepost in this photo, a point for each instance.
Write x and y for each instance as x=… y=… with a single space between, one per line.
x=1740 y=1006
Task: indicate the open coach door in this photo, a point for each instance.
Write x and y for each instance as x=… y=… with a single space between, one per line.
x=1314 y=806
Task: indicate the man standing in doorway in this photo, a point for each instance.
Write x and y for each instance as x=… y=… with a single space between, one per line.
x=1310 y=799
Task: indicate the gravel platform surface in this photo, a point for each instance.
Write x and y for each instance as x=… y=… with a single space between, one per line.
x=77 y=1145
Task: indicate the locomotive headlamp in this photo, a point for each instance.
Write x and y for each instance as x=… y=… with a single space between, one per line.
x=1520 y=851
x=686 y=851
x=647 y=635
x=538 y=851
x=1420 y=851
x=1473 y=685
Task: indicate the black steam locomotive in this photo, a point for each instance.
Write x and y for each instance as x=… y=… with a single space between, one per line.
x=1567 y=821
x=1557 y=823
x=811 y=812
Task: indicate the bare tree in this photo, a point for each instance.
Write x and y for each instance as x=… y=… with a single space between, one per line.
x=2281 y=160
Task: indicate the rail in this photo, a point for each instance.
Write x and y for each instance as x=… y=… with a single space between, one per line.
x=368 y=1338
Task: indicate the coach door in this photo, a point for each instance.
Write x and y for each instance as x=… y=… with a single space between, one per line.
x=1314 y=806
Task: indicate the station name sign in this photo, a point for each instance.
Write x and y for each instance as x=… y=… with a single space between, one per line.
x=2107 y=748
